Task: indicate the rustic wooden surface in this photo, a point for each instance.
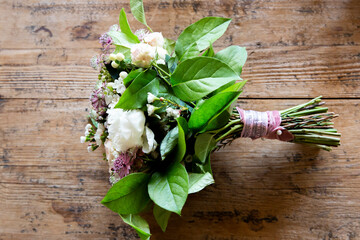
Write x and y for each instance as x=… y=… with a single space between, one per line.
x=50 y=187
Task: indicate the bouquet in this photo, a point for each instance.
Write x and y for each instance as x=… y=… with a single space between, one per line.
x=161 y=107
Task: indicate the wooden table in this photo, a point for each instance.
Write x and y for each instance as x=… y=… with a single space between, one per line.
x=50 y=187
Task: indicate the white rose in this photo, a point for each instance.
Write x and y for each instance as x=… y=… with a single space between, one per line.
x=149 y=143
x=161 y=53
x=125 y=128
x=154 y=39
x=142 y=54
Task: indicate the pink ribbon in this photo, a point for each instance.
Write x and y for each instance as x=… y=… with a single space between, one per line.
x=263 y=125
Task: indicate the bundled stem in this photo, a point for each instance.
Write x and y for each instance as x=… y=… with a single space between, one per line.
x=309 y=123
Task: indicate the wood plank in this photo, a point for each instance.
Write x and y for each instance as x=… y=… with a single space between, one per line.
x=303 y=71
x=52 y=187
x=255 y=23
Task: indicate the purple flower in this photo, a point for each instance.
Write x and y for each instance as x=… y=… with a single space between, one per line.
x=105 y=41
x=122 y=164
x=97 y=100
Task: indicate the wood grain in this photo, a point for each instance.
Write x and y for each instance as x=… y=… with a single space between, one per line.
x=50 y=187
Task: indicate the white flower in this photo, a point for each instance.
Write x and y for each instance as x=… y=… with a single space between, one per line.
x=150 y=109
x=125 y=128
x=93 y=114
x=160 y=62
x=151 y=97
x=110 y=152
x=114 y=101
x=112 y=57
x=142 y=54
x=114 y=64
x=170 y=112
x=87 y=129
x=82 y=139
x=154 y=39
x=119 y=86
x=161 y=53
x=110 y=85
x=98 y=134
x=89 y=148
x=123 y=75
x=149 y=143
x=176 y=113
x=119 y=57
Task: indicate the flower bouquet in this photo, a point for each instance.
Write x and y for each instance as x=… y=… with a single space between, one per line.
x=161 y=107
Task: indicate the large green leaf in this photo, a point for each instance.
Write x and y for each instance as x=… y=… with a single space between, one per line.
x=125 y=27
x=203 y=167
x=169 y=142
x=210 y=109
x=199 y=36
x=122 y=39
x=137 y=9
x=161 y=216
x=234 y=56
x=204 y=144
x=131 y=76
x=209 y=52
x=217 y=122
x=195 y=78
x=169 y=45
x=198 y=181
x=135 y=96
x=181 y=146
x=129 y=195
x=139 y=224
x=169 y=190
x=223 y=118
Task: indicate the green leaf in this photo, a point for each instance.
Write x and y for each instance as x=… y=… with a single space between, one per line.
x=135 y=96
x=195 y=78
x=198 y=181
x=161 y=216
x=172 y=64
x=199 y=36
x=234 y=56
x=129 y=195
x=122 y=39
x=125 y=27
x=210 y=109
x=181 y=145
x=132 y=75
x=169 y=45
x=204 y=144
x=235 y=87
x=169 y=190
x=218 y=122
x=139 y=224
x=169 y=142
x=203 y=168
x=137 y=9
x=209 y=52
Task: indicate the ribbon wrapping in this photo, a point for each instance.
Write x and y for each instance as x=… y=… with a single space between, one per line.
x=263 y=125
